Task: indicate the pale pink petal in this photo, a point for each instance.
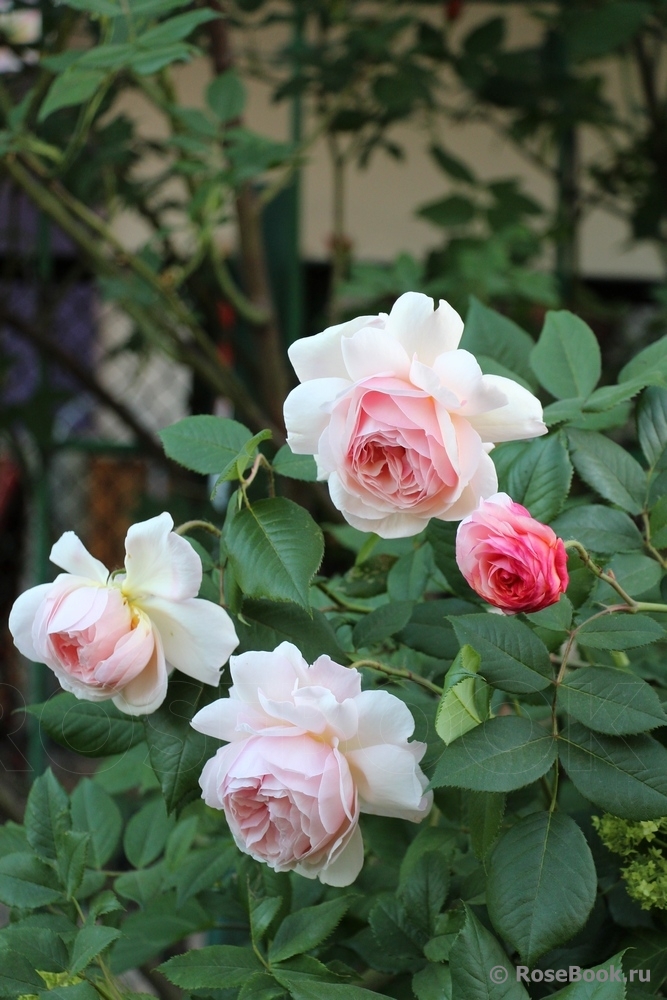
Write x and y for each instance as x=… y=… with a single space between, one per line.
x=371 y=352
x=520 y=417
x=84 y=692
x=275 y=673
x=389 y=782
x=131 y=655
x=70 y=554
x=159 y=563
x=439 y=332
x=222 y=719
x=342 y=681
x=148 y=690
x=483 y=483
x=320 y=356
x=78 y=609
x=344 y=869
x=22 y=618
x=426 y=378
x=198 y=636
x=307 y=412
x=460 y=372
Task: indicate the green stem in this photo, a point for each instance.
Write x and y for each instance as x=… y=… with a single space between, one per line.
x=187 y=526
x=360 y=609
x=407 y=675
x=598 y=571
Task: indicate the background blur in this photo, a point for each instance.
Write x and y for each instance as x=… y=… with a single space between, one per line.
x=186 y=188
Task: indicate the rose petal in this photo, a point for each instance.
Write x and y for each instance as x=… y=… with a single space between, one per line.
x=520 y=417
x=146 y=692
x=197 y=635
x=159 y=563
x=22 y=617
x=321 y=356
x=70 y=554
x=344 y=869
x=307 y=414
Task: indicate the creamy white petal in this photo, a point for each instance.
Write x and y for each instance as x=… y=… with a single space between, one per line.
x=460 y=372
x=22 y=617
x=408 y=313
x=373 y=352
x=383 y=718
x=71 y=554
x=314 y=357
x=389 y=782
x=483 y=484
x=273 y=674
x=159 y=563
x=219 y=719
x=345 y=868
x=307 y=412
x=198 y=636
x=146 y=692
x=439 y=333
x=520 y=418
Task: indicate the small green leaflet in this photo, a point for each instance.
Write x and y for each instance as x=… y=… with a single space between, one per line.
x=465 y=699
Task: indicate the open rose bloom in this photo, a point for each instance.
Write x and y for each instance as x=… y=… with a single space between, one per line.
x=119 y=637
x=401 y=421
x=509 y=558
x=307 y=752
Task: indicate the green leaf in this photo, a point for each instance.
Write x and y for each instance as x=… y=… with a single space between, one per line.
x=489 y=333
x=637 y=574
x=211 y=966
x=90 y=728
x=500 y=755
x=265 y=624
x=105 y=8
x=485 y=816
x=386 y=620
x=424 y=892
x=17 y=976
x=566 y=358
x=441 y=536
x=455 y=210
x=240 y=462
x=146 y=834
x=429 y=629
x=179 y=842
x=599 y=528
x=204 y=443
x=455 y=168
x=152 y=60
x=226 y=97
x=626 y=776
x=73 y=851
x=563 y=411
x=540 y=479
x=275 y=549
x=43 y=947
x=541 y=883
x=302 y=467
x=27 y=882
x=141 y=886
x=595 y=32
x=261 y=986
x=652 y=423
x=96 y=813
x=175 y=29
x=202 y=869
x=433 y=982
x=303 y=989
x=89 y=943
x=307 y=928
x=474 y=956
x=409 y=576
x=609 y=469
x=609 y=988
x=463 y=704
x=557 y=617
x=75 y=86
x=177 y=751
x=611 y=701
x=158 y=925
x=47 y=815
x=619 y=631
x=106 y=57
x=262 y=913
x=649 y=363
x=513 y=658
x=401 y=941
x=610 y=396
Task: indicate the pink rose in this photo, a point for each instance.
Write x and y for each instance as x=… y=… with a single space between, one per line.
x=119 y=637
x=511 y=560
x=400 y=421
x=308 y=751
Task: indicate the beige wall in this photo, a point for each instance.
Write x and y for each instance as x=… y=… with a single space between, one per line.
x=381 y=199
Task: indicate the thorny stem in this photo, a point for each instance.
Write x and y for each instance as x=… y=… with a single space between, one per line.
x=598 y=571
x=183 y=529
x=408 y=675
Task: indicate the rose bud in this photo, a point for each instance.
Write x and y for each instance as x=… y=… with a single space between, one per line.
x=511 y=560
x=308 y=751
x=401 y=421
x=120 y=636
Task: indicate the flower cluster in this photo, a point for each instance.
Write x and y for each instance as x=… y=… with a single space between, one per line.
x=120 y=635
x=401 y=422
x=645 y=873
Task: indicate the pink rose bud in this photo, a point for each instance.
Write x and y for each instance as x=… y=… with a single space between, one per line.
x=511 y=560
x=307 y=751
x=400 y=420
x=120 y=637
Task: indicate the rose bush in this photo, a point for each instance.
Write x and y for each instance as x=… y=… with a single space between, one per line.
x=509 y=558
x=307 y=751
x=119 y=635
x=401 y=421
